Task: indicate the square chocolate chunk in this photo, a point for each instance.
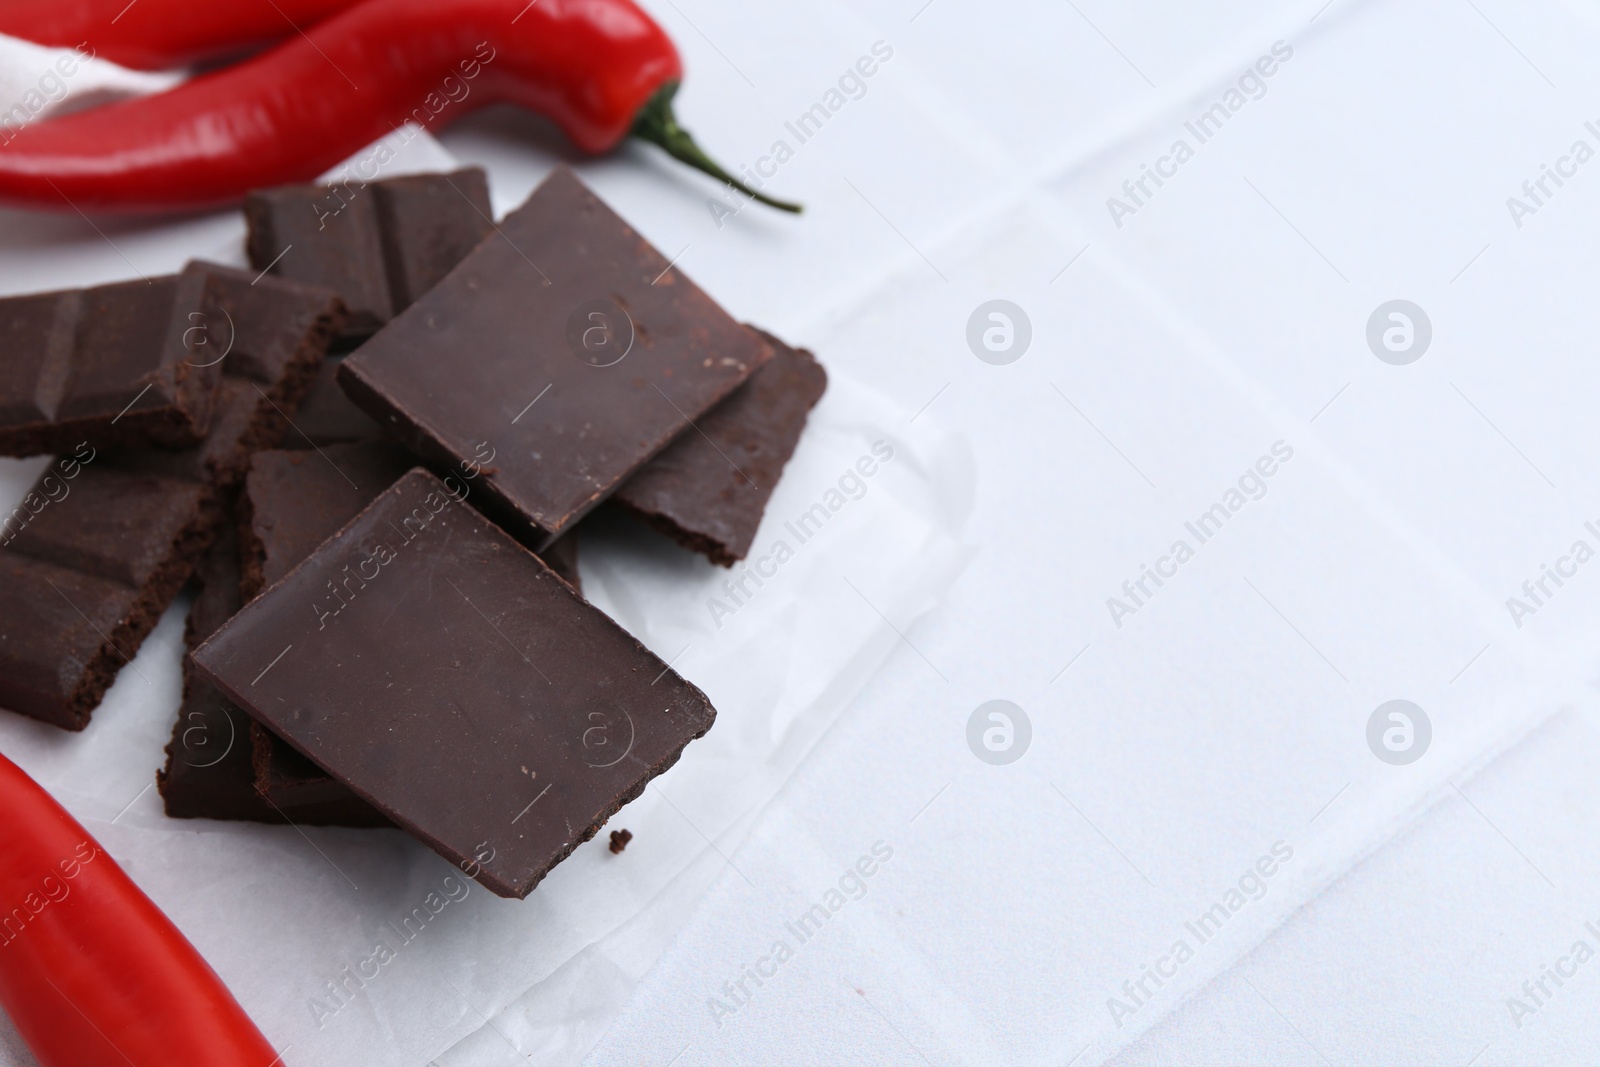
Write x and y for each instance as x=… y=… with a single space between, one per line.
x=564 y=343
x=447 y=676
x=293 y=501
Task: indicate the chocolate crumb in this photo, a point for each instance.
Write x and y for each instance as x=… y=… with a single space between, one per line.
x=620 y=839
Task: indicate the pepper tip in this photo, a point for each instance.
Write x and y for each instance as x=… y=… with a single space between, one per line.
x=657 y=124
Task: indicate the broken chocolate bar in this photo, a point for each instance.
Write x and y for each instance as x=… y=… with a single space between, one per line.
x=102 y=543
x=130 y=364
x=208 y=773
x=379 y=245
x=86 y=579
x=446 y=675
x=294 y=501
x=565 y=343
x=709 y=488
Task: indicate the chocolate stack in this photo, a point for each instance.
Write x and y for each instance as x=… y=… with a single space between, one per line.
x=390 y=629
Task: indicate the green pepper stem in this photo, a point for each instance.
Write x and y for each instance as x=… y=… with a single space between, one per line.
x=657 y=124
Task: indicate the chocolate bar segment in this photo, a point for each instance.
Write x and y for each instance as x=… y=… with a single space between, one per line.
x=88 y=577
x=564 y=343
x=294 y=501
x=448 y=676
x=709 y=488
x=104 y=541
x=130 y=365
x=208 y=774
x=379 y=245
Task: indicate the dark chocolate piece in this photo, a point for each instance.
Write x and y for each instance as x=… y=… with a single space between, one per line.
x=84 y=582
x=619 y=841
x=709 y=488
x=280 y=333
x=574 y=371
x=211 y=759
x=302 y=792
x=294 y=501
x=208 y=773
x=379 y=245
x=327 y=417
x=283 y=517
x=448 y=676
x=131 y=364
x=104 y=541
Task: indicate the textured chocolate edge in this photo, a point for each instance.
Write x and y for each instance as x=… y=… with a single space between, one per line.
x=323 y=801
x=192 y=542
x=179 y=804
x=719 y=552
x=252 y=552
x=158 y=591
x=699 y=543
x=655 y=771
x=274 y=411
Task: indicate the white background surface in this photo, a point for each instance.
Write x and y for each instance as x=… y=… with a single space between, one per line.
x=1168 y=354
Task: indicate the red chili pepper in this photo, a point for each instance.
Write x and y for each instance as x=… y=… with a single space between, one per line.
x=161 y=34
x=91 y=972
x=600 y=68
